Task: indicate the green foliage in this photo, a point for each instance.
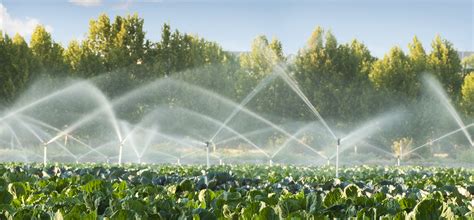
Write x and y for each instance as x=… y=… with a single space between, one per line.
x=103 y=192
x=47 y=53
x=445 y=64
x=330 y=73
x=467 y=92
x=393 y=74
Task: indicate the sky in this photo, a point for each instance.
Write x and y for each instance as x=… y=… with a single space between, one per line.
x=380 y=24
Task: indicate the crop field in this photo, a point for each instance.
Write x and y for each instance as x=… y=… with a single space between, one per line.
x=101 y=191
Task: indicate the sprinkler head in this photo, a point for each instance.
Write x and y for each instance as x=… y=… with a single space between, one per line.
x=338 y=141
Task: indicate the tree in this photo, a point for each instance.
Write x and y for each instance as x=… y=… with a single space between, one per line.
x=128 y=39
x=393 y=74
x=73 y=56
x=262 y=57
x=467 y=92
x=444 y=63
x=468 y=63
x=98 y=40
x=330 y=74
x=178 y=52
x=48 y=53
x=17 y=66
x=417 y=56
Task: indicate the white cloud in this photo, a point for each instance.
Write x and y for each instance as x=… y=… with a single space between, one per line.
x=86 y=3
x=126 y=4
x=123 y=5
x=13 y=25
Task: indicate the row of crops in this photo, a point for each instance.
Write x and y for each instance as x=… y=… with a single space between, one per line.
x=92 y=191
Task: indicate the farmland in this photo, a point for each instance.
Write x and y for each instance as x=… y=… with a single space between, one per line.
x=101 y=191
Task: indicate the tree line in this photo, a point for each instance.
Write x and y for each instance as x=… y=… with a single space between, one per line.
x=343 y=80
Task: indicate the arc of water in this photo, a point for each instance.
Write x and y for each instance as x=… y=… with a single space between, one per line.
x=105 y=106
x=263 y=83
x=42 y=99
x=296 y=135
x=41 y=123
x=147 y=143
x=365 y=130
x=218 y=123
x=216 y=96
x=294 y=86
x=253 y=114
x=129 y=136
x=169 y=81
x=31 y=130
x=365 y=144
x=168 y=137
x=97 y=148
x=23 y=124
x=252 y=133
x=437 y=88
x=438 y=139
x=13 y=135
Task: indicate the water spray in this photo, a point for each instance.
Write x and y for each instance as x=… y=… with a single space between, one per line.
x=400 y=155
x=208 y=145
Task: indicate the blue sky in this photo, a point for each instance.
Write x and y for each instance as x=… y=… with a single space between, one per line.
x=380 y=24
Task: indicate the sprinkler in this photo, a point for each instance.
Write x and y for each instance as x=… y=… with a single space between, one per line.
x=120 y=154
x=208 y=145
x=270 y=162
x=328 y=162
x=178 y=162
x=45 y=152
x=337 y=157
x=221 y=162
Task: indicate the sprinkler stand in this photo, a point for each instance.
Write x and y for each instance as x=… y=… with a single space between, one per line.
x=337 y=157
x=45 y=152
x=208 y=145
x=120 y=154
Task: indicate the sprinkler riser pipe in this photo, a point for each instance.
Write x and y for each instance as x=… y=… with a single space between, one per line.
x=45 y=152
x=208 y=165
x=337 y=157
x=120 y=154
